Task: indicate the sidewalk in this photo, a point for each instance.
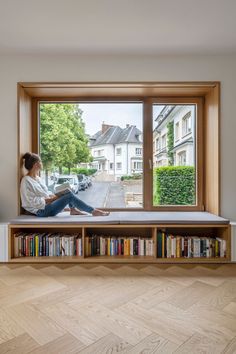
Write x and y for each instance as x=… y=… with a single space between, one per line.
x=117 y=191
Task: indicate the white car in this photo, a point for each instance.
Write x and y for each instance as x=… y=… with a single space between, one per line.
x=73 y=180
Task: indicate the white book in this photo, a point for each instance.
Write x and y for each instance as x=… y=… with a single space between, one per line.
x=189 y=247
x=168 y=247
x=131 y=247
x=221 y=246
x=62 y=189
x=71 y=253
x=173 y=247
x=63 y=246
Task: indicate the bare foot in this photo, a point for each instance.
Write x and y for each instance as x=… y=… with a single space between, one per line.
x=75 y=211
x=98 y=212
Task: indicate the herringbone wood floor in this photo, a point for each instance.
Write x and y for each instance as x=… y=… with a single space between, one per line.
x=117 y=309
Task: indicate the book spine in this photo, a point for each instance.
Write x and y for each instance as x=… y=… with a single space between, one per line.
x=36 y=246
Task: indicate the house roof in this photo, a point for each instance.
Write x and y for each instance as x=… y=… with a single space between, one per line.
x=116 y=135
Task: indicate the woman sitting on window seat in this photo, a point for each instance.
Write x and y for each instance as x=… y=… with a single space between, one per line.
x=37 y=200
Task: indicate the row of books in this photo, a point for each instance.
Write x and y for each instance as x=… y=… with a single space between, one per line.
x=96 y=245
x=47 y=244
x=170 y=246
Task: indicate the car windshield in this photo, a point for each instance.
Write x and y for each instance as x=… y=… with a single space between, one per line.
x=65 y=179
x=80 y=177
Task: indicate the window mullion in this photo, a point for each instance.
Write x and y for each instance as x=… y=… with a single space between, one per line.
x=147 y=154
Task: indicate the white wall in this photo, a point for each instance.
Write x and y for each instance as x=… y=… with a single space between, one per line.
x=72 y=68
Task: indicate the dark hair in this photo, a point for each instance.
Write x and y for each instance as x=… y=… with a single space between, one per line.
x=29 y=159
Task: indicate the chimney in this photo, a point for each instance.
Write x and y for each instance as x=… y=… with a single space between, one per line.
x=127 y=125
x=105 y=127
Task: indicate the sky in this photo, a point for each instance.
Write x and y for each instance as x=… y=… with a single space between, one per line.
x=94 y=114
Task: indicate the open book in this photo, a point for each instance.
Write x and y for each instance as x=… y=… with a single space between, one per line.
x=62 y=189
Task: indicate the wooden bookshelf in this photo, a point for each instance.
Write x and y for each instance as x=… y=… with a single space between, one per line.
x=143 y=231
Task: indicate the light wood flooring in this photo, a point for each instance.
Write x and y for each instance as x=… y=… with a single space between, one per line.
x=111 y=309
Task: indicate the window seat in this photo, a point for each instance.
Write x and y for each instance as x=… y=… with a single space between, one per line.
x=126 y=218
x=136 y=232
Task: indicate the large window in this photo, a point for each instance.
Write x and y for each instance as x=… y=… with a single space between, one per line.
x=204 y=96
x=75 y=139
x=101 y=141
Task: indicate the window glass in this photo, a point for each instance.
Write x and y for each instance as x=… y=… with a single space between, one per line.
x=174 y=157
x=102 y=140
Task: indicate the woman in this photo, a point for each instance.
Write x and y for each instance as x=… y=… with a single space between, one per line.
x=37 y=200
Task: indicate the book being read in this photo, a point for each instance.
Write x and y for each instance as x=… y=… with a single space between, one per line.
x=62 y=189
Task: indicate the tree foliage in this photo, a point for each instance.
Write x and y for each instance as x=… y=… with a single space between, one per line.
x=63 y=141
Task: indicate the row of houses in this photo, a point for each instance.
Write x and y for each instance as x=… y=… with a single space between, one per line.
x=119 y=151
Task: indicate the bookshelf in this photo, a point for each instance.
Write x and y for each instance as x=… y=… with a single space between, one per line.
x=143 y=249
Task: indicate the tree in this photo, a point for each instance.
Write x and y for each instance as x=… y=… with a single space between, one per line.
x=63 y=141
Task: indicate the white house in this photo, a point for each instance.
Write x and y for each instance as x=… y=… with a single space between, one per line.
x=183 y=118
x=116 y=151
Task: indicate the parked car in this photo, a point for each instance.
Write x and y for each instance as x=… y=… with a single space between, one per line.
x=83 y=182
x=89 y=181
x=73 y=180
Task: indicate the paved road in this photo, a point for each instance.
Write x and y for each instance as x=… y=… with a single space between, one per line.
x=107 y=194
x=96 y=194
x=116 y=196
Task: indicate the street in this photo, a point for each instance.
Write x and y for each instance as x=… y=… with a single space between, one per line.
x=95 y=195
x=109 y=194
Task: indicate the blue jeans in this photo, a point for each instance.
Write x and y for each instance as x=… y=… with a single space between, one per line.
x=59 y=204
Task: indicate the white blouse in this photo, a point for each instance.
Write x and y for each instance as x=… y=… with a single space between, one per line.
x=33 y=193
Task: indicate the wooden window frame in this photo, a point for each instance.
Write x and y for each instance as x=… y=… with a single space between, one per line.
x=208 y=198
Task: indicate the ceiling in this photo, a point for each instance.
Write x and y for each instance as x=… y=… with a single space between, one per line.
x=113 y=27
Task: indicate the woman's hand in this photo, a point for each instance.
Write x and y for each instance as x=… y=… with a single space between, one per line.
x=50 y=199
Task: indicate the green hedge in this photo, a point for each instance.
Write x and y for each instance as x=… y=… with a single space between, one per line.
x=127 y=177
x=78 y=170
x=174 y=185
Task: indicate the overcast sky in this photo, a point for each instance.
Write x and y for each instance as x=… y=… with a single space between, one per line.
x=113 y=114
x=94 y=114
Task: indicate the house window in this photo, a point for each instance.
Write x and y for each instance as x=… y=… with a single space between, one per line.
x=163 y=141
x=186 y=124
x=100 y=153
x=138 y=165
x=182 y=158
x=118 y=165
x=157 y=144
x=118 y=151
x=177 y=131
x=138 y=151
x=111 y=166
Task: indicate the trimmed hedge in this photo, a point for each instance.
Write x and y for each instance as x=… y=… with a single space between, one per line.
x=79 y=170
x=127 y=177
x=174 y=185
